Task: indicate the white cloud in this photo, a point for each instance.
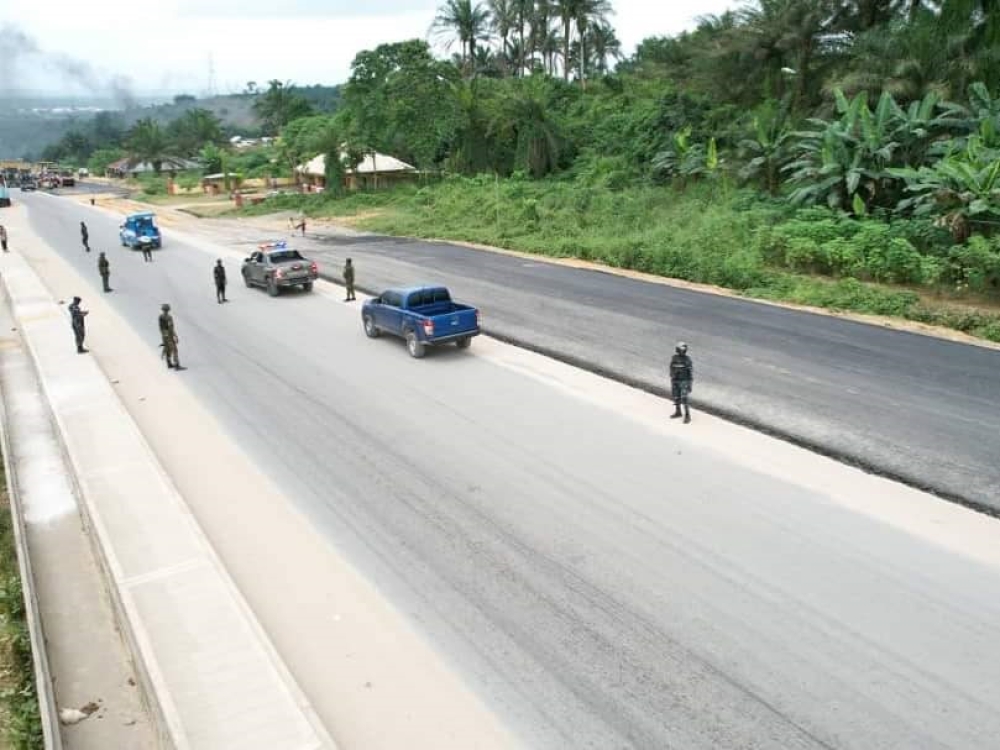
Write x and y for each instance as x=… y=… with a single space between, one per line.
x=168 y=43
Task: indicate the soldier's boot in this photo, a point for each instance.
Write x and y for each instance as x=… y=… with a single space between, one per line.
x=677 y=412
x=687 y=414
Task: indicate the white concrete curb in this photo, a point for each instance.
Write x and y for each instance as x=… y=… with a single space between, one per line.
x=47 y=709
x=213 y=677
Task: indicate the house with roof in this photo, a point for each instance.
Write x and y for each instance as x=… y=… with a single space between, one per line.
x=375 y=170
x=128 y=167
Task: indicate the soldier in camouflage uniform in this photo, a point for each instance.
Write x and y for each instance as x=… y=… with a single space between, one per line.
x=169 y=336
x=104 y=268
x=681 y=381
x=349 y=280
x=76 y=316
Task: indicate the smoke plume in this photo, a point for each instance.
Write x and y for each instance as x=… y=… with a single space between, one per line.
x=21 y=58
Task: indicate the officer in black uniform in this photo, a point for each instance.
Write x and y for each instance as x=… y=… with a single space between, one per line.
x=681 y=381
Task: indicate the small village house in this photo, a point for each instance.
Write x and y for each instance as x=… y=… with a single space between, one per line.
x=375 y=170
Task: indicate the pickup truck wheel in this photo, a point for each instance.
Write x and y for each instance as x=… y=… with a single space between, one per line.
x=272 y=288
x=307 y=287
x=370 y=330
x=464 y=343
x=414 y=345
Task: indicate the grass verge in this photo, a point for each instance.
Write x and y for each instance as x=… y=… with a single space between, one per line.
x=707 y=234
x=20 y=724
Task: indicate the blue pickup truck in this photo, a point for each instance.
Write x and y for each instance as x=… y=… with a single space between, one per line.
x=424 y=316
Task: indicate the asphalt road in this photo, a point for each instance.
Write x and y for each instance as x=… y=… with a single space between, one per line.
x=919 y=409
x=603 y=582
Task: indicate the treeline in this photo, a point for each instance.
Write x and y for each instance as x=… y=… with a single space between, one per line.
x=865 y=112
x=185 y=129
x=865 y=106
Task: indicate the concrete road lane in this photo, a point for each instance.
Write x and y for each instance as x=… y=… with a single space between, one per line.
x=602 y=576
x=922 y=409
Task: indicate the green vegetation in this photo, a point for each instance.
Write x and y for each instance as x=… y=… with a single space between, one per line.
x=836 y=152
x=734 y=239
x=20 y=724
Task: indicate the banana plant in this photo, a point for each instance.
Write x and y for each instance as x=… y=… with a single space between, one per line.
x=767 y=152
x=960 y=190
x=847 y=160
x=685 y=159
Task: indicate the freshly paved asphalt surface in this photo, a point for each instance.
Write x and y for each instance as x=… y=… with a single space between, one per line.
x=602 y=584
x=915 y=408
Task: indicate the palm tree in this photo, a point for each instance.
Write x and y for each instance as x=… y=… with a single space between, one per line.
x=543 y=40
x=579 y=14
x=279 y=105
x=603 y=44
x=504 y=19
x=588 y=14
x=468 y=23
x=147 y=143
x=524 y=11
x=524 y=119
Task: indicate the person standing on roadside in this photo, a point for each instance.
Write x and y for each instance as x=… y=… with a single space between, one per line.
x=220 y=281
x=3 y=237
x=104 y=268
x=349 y=280
x=169 y=336
x=85 y=236
x=681 y=381
x=76 y=316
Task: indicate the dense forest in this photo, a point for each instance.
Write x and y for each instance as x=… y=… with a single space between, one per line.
x=856 y=139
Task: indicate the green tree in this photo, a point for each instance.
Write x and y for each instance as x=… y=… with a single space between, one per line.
x=193 y=130
x=465 y=22
x=147 y=142
x=101 y=158
x=279 y=105
x=504 y=17
x=524 y=120
x=401 y=100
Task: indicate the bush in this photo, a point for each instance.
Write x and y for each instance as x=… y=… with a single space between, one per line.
x=976 y=266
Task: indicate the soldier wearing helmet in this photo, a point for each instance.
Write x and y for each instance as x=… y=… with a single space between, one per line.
x=681 y=381
x=169 y=337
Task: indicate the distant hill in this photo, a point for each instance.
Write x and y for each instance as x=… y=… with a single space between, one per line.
x=29 y=124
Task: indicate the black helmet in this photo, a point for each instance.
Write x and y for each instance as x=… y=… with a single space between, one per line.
x=165 y=307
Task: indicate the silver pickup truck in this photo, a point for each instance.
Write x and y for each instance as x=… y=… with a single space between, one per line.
x=275 y=267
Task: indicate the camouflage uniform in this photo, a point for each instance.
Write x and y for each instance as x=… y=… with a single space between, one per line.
x=169 y=336
x=76 y=316
x=349 y=280
x=681 y=381
x=105 y=270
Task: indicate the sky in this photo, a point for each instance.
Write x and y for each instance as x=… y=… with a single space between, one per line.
x=184 y=46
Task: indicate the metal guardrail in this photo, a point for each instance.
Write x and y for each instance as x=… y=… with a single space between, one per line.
x=47 y=708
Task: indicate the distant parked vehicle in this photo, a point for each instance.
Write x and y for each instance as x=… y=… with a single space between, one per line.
x=4 y=194
x=28 y=185
x=275 y=267
x=423 y=316
x=138 y=226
